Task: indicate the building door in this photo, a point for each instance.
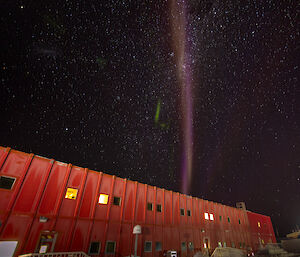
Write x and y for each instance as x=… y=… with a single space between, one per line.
x=46 y=242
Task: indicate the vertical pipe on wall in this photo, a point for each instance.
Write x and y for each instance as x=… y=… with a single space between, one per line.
x=89 y=234
x=110 y=199
x=76 y=211
x=133 y=215
x=61 y=196
x=121 y=215
x=44 y=182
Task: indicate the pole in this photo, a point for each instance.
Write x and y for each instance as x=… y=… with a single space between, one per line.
x=135 y=245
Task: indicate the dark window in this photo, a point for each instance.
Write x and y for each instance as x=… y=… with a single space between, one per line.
x=191 y=246
x=110 y=247
x=239 y=221
x=233 y=244
x=188 y=212
x=182 y=212
x=220 y=218
x=149 y=206
x=228 y=220
x=240 y=244
x=183 y=246
x=148 y=246
x=117 y=201
x=158 y=207
x=158 y=246
x=7 y=182
x=94 y=248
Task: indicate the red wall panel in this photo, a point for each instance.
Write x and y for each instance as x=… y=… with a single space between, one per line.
x=54 y=189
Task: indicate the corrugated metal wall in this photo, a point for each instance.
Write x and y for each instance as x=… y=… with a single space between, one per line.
x=174 y=221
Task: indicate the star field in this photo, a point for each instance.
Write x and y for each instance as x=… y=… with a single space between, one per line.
x=81 y=81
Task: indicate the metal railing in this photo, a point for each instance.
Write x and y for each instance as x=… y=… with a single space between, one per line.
x=56 y=254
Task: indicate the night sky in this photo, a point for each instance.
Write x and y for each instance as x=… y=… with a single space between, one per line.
x=96 y=84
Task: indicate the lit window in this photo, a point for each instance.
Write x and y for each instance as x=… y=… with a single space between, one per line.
x=117 y=201
x=220 y=244
x=258 y=224
x=182 y=212
x=262 y=241
x=188 y=212
x=211 y=216
x=206 y=216
x=103 y=199
x=149 y=206
x=71 y=193
x=110 y=247
x=191 y=246
x=7 y=182
x=148 y=246
x=158 y=207
x=205 y=245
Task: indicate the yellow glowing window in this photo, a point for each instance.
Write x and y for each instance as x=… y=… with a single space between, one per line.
x=211 y=216
x=258 y=224
x=103 y=199
x=71 y=193
x=206 y=216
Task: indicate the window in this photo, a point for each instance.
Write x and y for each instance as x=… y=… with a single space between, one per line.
x=183 y=246
x=182 y=212
x=232 y=244
x=220 y=244
x=103 y=199
x=158 y=207
x=206 y=216
x=7 y=182
x=71 y=193
x=188 y=212
x=224 y=244
x=149 y=206
x=148 y=246
x=117 y=201
x=258 y=224
x=8 y=248
x=228 y=220
x=220 y=218
x=110 y=247
x=158 y=246
x=191 y=246
x=211 y=216
x=263 y=241
x=94 y=248
x=240 y=222
x=240 y=244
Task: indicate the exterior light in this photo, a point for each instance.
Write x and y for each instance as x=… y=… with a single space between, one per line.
x=43 y=219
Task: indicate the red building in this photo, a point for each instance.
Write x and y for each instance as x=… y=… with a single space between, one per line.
x=46 y=205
